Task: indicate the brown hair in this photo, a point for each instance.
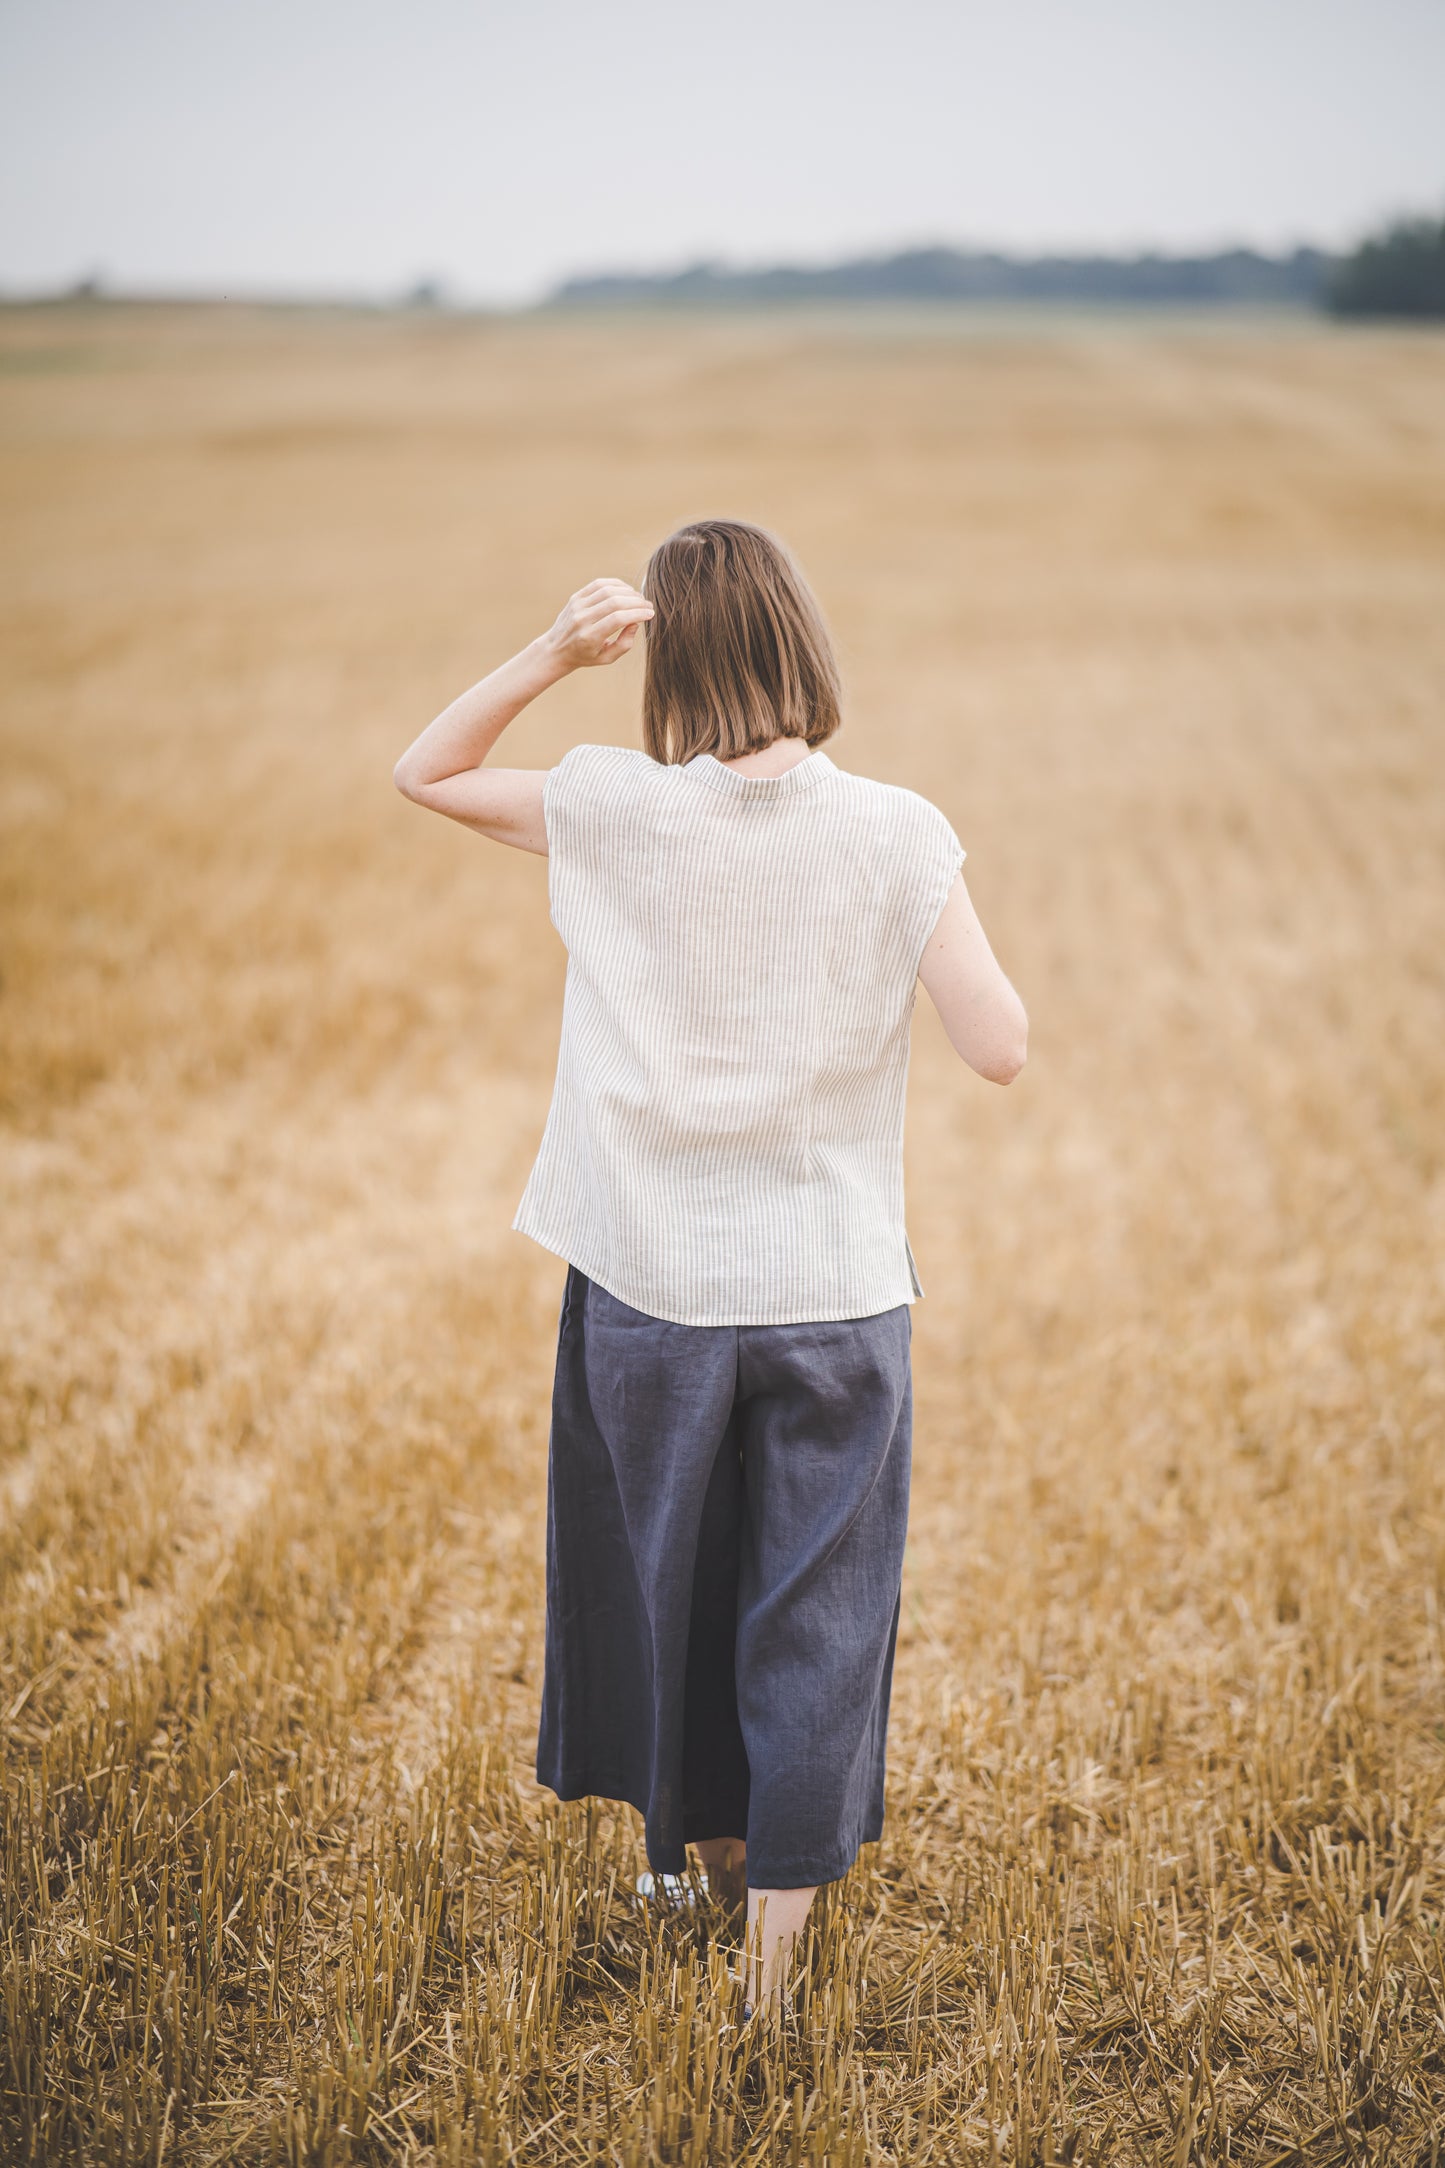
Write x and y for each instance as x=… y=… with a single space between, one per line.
x=737 y=653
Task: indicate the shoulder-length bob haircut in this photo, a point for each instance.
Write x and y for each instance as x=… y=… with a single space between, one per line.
x=737 y=651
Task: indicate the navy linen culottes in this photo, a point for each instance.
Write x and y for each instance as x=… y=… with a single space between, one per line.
x=726 y=1511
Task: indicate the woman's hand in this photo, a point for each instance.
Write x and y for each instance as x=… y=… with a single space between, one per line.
x=443 y=767
x=597 y=624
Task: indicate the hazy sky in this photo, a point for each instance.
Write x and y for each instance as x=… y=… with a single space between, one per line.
x=341 y=145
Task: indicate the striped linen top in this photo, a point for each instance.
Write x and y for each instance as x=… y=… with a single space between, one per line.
x=725 y=1139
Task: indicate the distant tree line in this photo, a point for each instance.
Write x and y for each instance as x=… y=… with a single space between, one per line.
x=1399 y=272
x=946 y=274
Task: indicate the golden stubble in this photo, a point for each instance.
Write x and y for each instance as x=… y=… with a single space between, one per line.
x=1154 y=613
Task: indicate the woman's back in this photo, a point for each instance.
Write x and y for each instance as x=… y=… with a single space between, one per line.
x=724 y=1144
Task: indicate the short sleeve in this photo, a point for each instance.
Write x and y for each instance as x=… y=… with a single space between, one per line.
x=938 y=858
x=562 y=796
x=588 y=800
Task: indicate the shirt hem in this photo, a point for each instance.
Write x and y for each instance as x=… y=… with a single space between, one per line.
x=804 y=1313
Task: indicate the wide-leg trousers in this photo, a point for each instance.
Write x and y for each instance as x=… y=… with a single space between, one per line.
x=726 y=1513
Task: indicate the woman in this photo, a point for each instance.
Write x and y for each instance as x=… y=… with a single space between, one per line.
x=722 y=1170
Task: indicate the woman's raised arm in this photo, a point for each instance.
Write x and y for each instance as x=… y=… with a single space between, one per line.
x=442 y=769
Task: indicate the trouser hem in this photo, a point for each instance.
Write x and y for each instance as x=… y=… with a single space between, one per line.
x=661 y=1858
x=801 y=1873
x=616 y=1789
x=762 y=1873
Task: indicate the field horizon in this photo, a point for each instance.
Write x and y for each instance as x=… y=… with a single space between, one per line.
x=1152 y=611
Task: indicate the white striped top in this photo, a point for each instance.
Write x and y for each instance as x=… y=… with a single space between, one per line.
x=725 y=1140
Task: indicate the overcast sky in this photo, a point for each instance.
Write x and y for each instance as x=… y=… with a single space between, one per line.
x=337 y=146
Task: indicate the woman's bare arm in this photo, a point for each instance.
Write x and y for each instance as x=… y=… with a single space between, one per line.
x=443 y=768
x=981 y=1013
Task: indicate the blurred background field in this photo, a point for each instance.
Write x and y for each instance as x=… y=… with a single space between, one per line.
x=1153 y=610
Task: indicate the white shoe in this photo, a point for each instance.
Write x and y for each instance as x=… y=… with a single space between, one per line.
x=667 y=1889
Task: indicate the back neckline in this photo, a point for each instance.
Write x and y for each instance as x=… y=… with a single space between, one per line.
x=801 y=776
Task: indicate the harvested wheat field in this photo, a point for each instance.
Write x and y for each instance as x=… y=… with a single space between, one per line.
x=1157 y=615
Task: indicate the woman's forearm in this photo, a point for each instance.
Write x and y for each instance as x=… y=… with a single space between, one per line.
x=596 y=625
x=464 y=733
x=443 y=768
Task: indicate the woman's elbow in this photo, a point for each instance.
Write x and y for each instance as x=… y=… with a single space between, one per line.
x=1003 y=1068
x=1011 y=1053
x=406 y=780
